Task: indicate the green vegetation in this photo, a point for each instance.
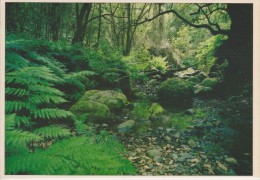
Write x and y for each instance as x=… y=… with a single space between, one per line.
x=175 y=91
x=82 y=78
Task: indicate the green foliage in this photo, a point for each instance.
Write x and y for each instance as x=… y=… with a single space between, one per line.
x=175 y=91
x=158 y=64
x=156 y=109
x=53 y=132
x=145 y=110
x=141 y=110
x=31 y=94
x=16 y=140
x=63 y=158
x=206 y=52
x=180 y=121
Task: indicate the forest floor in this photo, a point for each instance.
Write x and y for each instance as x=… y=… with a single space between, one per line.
x=184 y=142
x=190 y=150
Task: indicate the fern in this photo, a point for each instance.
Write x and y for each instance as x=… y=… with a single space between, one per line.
x=14 y=61
x=75 y=155
x=53 y=132
x=31 y=94
x=17 y=139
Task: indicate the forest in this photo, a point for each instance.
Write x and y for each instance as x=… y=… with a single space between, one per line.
x=128 y=89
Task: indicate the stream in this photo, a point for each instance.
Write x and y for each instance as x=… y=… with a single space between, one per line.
x=184 y=142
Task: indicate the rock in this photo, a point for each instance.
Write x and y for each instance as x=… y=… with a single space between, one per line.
x=174 y=156
x=184 y=156
x=186 y=73
x=231 y=160
x=203 y=156
x=202 y=76
x=190 y=112
x=209 y=82
x=195 y=79
x=169 y=130
x=191 y=143
x=167 y=138
x=94 y=111
x=155 y=154
x=202 y=90
x=175 y=91
x=177 y=135
x=213 y=75
x=126 y=126
x=113 y=99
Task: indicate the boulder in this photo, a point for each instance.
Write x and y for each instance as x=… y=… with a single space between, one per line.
x=114 y=100
x=202 y=90
x=175 y=91
x=126 y=126
x=209 y=82
x=96 y=112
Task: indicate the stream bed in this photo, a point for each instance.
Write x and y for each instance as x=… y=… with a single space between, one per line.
x=185 y=142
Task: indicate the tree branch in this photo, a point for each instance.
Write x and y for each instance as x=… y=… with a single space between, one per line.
x=206 y=26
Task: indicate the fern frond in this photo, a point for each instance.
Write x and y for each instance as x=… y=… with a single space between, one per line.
x=18 y=137
x=13 y=61
x=46 y=98
x=15 y=106
x=54 y=65
x=38 y=163
x=10 y=121
x=45 y=89
x=51 y=113
x=53 y=132
x=16 y=91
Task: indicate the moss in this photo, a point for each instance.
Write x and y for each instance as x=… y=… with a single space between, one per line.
x=112 y=99
x=195 y=79
x=209 y=82
x=175 y=91
x=95 y=111
x=202 y=90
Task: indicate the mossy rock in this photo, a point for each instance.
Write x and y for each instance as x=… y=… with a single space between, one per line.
x=202 y=90
x=95 y=112
x=114 y=100
x=194 y=79
x=175 y=91
x=209 y=82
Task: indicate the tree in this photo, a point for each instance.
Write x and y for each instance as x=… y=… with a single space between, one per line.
x=82 y=16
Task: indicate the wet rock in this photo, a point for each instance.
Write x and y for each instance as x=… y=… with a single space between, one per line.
x=155 y=154
x=192 y=143
x=126 y=126
x=184 y=156
x=231 y=160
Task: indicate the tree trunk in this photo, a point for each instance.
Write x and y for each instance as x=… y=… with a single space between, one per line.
x=82 y=21
x=128 y=30
x=238 y=48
